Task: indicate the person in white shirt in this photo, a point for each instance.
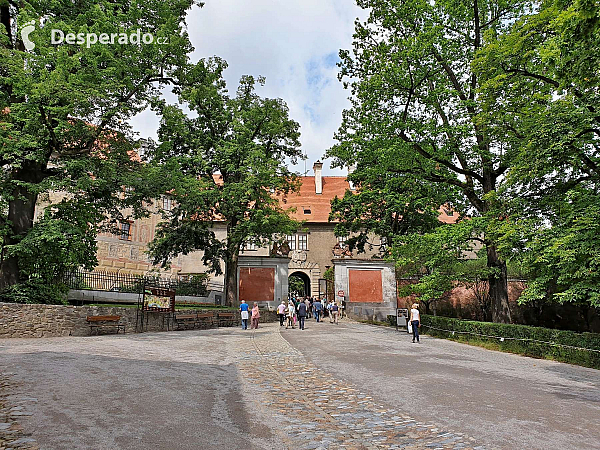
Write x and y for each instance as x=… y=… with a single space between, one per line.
x=291 y=313
x=415 y=321
x=281 y=312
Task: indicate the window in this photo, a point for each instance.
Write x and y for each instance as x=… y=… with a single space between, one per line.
x=342 y=240
x=167 y=203
x=302 y=242
x=307 y=211
x=291 y=240
x=125 y=231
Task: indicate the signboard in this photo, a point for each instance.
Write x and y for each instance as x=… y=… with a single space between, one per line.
x=161 y=300
x=341 y=293
x=402 y=318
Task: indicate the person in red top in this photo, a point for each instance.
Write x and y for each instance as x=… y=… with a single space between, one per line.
x=255 y=316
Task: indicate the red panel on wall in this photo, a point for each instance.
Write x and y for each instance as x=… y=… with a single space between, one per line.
x=257 y=284
x=365 y=286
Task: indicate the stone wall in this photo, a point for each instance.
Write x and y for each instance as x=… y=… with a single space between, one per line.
x=30 y=321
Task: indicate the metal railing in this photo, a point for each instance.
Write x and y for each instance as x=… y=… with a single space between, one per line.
x=128 y=283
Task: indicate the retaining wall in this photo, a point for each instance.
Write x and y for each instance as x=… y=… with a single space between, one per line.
x=31 y=321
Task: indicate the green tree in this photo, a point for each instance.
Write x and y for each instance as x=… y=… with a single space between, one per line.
x=439 y=260
x=296 y=285
x=415 y=106
x=542 y=95
x=385 y=204
x=63 y=122
x=227 y=164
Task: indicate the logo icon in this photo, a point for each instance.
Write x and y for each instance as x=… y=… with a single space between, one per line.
x=27 y=29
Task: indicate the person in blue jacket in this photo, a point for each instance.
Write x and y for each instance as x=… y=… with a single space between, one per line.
x=244 y=313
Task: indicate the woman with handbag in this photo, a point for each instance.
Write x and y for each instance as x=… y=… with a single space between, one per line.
x=415 y=321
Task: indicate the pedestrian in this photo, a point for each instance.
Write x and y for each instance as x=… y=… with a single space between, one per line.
x=244 y=314
x=415 y=321
x=302 y=309
x=318 y=309
x=255 y=316
x=291 y=313
x=329 y=312
x=281 y=313
x=334 y=312
x=307 y=303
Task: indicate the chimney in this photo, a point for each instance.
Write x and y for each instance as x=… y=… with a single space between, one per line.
x=350 y=170
x=318 y=168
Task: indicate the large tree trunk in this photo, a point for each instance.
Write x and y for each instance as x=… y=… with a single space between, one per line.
x=21 y=211
x=231 y=279
x=498 y=287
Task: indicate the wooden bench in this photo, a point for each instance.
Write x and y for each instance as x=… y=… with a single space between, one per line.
x=98 y=322
x=185 y=319
x=205 y=320
x=225 y=319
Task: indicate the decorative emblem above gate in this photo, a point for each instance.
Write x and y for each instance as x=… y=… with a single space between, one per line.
x=298 y=256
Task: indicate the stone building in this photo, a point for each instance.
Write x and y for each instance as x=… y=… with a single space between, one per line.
x=311 y=249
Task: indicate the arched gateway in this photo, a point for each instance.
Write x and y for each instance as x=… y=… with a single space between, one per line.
x=306 y=292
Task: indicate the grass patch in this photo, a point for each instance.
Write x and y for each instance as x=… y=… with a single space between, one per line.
x=582 y=349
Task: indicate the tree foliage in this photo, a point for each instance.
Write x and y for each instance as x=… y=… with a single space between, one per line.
x=415 y=110
x=542 y=95
x=495 y=103
x=225 y=164
x=63 y=123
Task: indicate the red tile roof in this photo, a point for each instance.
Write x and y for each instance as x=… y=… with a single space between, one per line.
x=316 y=205
x=315 y=208
x=319 y=205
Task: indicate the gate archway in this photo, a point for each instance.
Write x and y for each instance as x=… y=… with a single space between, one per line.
x=304 y=278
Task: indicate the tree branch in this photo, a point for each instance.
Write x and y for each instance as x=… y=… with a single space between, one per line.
x=421 y=151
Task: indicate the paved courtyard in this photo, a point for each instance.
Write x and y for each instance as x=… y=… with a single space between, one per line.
x=345 y=386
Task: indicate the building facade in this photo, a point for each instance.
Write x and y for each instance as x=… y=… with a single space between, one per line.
x=311 y=249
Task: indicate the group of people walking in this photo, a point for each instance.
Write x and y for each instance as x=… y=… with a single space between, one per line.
x=297 y=310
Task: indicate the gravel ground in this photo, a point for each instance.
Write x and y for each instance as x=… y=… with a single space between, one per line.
x=503 y=400
x=273 y=388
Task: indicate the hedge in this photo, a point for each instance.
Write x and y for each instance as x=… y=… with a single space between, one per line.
x=525 y=340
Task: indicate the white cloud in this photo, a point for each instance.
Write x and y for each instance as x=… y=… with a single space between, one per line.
x=294 y=44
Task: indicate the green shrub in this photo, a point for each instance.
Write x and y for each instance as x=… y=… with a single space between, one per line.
x=521 y=339
x=36 y=291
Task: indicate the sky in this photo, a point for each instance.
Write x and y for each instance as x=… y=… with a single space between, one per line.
x=295 y=45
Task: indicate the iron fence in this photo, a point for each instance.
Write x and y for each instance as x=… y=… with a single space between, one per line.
x=194 y=286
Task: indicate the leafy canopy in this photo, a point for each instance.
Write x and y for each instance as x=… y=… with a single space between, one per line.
x=64 y=113
x=225 y=162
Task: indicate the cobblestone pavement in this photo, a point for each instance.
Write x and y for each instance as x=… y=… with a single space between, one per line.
x=223 y=388
x=12 y=408
x=335 y=414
